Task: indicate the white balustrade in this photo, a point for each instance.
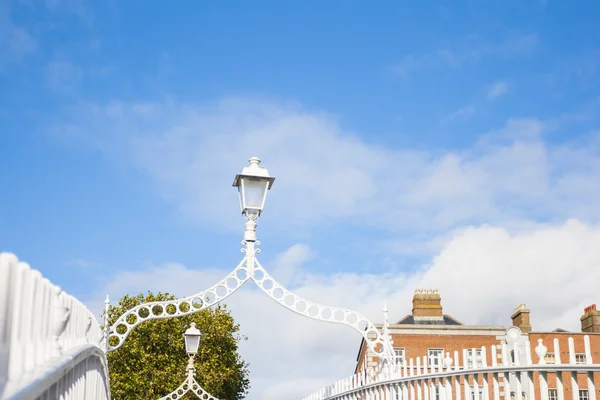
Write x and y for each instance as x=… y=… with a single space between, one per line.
x=50 y=343
x=496 y=381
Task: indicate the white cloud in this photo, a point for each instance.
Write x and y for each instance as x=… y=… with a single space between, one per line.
x=497 y=89
x=553 y=269
x=462 y=113
x=326 y=174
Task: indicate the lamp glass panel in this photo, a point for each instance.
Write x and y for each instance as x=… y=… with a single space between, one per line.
x=191 y=343
x=254 y=193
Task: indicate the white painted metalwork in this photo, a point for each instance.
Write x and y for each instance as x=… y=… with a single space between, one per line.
x=50 y=343
x=467 y=378
x=248 y=269
x=190 y=384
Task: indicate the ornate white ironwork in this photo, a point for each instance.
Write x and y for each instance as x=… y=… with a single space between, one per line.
x=248 y=268
x=189 y=384
x=176 y=308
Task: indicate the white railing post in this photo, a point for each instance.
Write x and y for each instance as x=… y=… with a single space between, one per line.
x=543 y=377
x=588 y=350
x=8 y=273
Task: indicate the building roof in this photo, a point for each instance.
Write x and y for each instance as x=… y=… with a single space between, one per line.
x=446 y=320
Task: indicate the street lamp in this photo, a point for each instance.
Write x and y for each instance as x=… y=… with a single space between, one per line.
x=192 y=341
x=253 y=183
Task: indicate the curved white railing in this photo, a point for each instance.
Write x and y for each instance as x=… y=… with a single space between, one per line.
x=417 y=380
x=50 y=343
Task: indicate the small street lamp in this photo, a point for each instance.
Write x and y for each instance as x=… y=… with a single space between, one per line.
x=192 y=342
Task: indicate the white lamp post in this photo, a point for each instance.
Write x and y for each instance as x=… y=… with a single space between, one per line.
x=253 y=183
x=192 y=342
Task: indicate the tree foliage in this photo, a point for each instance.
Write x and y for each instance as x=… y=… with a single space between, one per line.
x=152 y=361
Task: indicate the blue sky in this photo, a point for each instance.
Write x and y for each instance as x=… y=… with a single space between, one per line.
x=398 y=132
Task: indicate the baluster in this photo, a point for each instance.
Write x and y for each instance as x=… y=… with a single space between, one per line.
x=556 y=348
x=495 y=386
x=15 y=362
x=519 y=386
x=465 y=359
x=457 y=385
x=456 y=361
x=588 y=350
x=574 y=384
x=486 y=387
x=467 y=388
x=571 y=351
x=559 y=386
x=505 y=354
x=494 y=356
x=411 y=367
x=530 y=385
x=516 y=357
x=590 y=384
x=449 y=388
x=543 y=378
x=8 y=277
x=528 y=353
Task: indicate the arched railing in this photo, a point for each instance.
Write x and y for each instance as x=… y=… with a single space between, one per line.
x=50 y=343
x=416 y=380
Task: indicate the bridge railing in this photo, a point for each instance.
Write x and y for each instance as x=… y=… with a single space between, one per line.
x=476 y=380
x=50 y=343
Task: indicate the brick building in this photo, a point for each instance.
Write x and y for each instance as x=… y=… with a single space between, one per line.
x=428 y=332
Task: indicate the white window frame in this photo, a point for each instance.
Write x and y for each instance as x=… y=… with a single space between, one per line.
x=552 y=394
x=479 y=393
x=437 y=360
x=580 y=358
x=550 y=358
x=474 y=356
x=400 y=356
x=584 y=394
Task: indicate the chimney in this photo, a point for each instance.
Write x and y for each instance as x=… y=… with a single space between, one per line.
x=590 y=320
x=520 y=318
x=427 y=305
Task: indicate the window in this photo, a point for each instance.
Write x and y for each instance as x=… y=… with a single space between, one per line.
x=580 y=358
x=550 y=358
x=584 y=394
x=552 y=394
x=435 y=357
x=479 y=394
x=474 y=358
x=399 y=353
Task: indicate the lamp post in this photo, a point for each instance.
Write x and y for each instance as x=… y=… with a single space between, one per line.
x=252 y=183
x=192 y=341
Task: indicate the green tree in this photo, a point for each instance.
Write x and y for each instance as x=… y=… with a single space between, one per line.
x=152 y=361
